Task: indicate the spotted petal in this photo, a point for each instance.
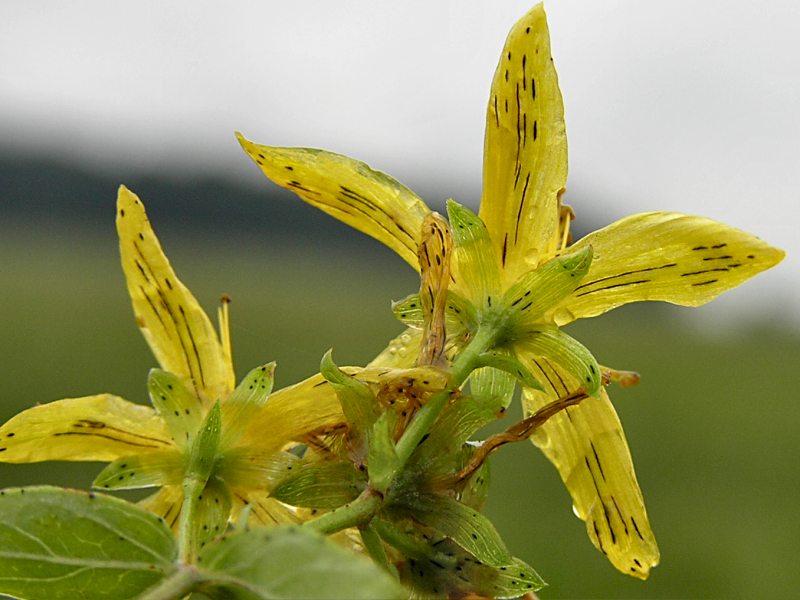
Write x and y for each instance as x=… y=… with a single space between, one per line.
x=664 y=256
x=587 y=446
x=348 y=190
x=173 y=323
x=525 y=149
x=102 y=427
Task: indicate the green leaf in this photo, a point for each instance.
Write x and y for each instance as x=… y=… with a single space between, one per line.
x=64 y=544
x=290 y=562
x=320 y=485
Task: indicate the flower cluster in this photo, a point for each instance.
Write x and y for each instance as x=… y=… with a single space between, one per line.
x=384 y=453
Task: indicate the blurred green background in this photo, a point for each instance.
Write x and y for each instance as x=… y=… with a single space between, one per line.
x=713 y=427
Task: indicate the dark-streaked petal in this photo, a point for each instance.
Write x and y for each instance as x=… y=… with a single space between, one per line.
x=348 y=190
x=525 y=150
x=665 y=256
x=587 y=445
x=177 y=329
x=102 y=427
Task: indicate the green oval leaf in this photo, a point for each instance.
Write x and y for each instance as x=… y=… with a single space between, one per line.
x=290 y=562
x=64 y=544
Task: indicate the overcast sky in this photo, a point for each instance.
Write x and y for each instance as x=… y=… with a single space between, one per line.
x=681 y=105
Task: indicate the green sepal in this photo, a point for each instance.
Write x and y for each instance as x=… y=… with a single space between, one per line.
x=212 y=511
x=466 y=526
x=382 y=461
x=494 y=387
x=440 y=452
x=179 y=407
x=437 y=566
x=539 y=290
x=357 y=400
x=163 y=467
x=476 y=489
x=475 y=257
x=58 y=544
x=205 y=449
x=574 y=357
x=288 y=561
x=459 y=313
x=323 y=485
x=510 y=364
x=249 y=396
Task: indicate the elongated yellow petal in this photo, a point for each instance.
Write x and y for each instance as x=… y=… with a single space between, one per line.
x=348 y=190
x=525 y=149
x=292 y=412
x=101 y=427
x=173 y=323
x=664 y=256
x=587 y=446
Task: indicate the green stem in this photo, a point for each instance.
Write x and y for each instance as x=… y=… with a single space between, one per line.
x=464 y=364
x=357 y=512
x=176 y=586
x=187 y=538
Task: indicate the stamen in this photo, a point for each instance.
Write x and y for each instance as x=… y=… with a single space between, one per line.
x=566 y=217
x=225 y=328
x=622 y=378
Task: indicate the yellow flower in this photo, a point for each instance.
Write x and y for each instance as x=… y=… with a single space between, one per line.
x=512 y=257
x=191 y=394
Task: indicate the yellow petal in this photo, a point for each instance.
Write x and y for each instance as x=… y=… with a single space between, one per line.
x=166 y=503
x=263 y=509
x=292 y=412
x=525 y=149
x=173 y=323
x=348 y=190
x=664 y=256
x=587 y=446
x=102 y=427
